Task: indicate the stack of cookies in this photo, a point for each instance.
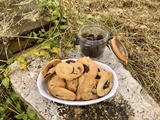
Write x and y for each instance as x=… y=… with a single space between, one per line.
x=77 y=80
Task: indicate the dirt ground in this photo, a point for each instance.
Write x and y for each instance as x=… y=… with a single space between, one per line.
x=136 y=23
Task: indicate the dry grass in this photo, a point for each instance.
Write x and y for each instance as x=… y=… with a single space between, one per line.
x=137 y=23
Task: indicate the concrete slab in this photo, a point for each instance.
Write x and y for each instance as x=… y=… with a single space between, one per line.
x=131 y=102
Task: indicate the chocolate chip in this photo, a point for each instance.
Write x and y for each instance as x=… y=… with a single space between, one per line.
x=106 y=85
x=50 y=67
x=79 y=68
x=86 y=68
x=75 y=71
x=70 y=61
x=98 y=77
x=58 y=95
x=47 y=75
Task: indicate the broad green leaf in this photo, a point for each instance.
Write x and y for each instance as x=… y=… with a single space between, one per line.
x=37 y=118
x=5 y=82
x=47 y=18
x=18 y=107
x=2 y=109
x=56 y=12
x=31 y=114
x=43 y=30
x=8 y=101
x=49 y=11
x=80 y=22
x=41 y=35
x=22 y=65
x=21 y=116
x=40 y=32
x=44 y=54
x=56 y=34
x=40 y=40
x=97 y=19
x=89 y=16
x=63 y=26
x=6 y=72
x=14 y=96
x=56 y=22
x=69 y=45
x=39 y=18
x=1 y=77
x=35 y=52
x=53 y=18
x=65 y=15
x=49 y=3
x=55 y=50
x=48 y=34
x=2 y=118
x=63 y=20
x=56 y=2
x=46 y=45
x=30 y=34
x=2 y=66
x=34 y=34
x=21 y=59
x=10 y=61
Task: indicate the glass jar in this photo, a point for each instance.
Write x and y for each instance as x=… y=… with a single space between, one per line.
x=93 y=40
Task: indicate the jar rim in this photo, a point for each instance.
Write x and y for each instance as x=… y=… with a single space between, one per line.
x=93 y=27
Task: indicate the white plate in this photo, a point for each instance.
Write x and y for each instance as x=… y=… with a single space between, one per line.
x=42 y=87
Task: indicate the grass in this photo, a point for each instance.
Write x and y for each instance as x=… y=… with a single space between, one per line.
x=136 y=23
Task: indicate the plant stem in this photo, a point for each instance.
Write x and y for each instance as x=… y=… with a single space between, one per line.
x=15 y=36
x=3 y=61
x=9 y=108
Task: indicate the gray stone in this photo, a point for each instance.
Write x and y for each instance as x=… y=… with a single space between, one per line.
x=17 y=19
x=131 y=102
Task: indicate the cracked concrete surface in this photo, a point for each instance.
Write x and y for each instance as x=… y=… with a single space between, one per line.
x=131 y=102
